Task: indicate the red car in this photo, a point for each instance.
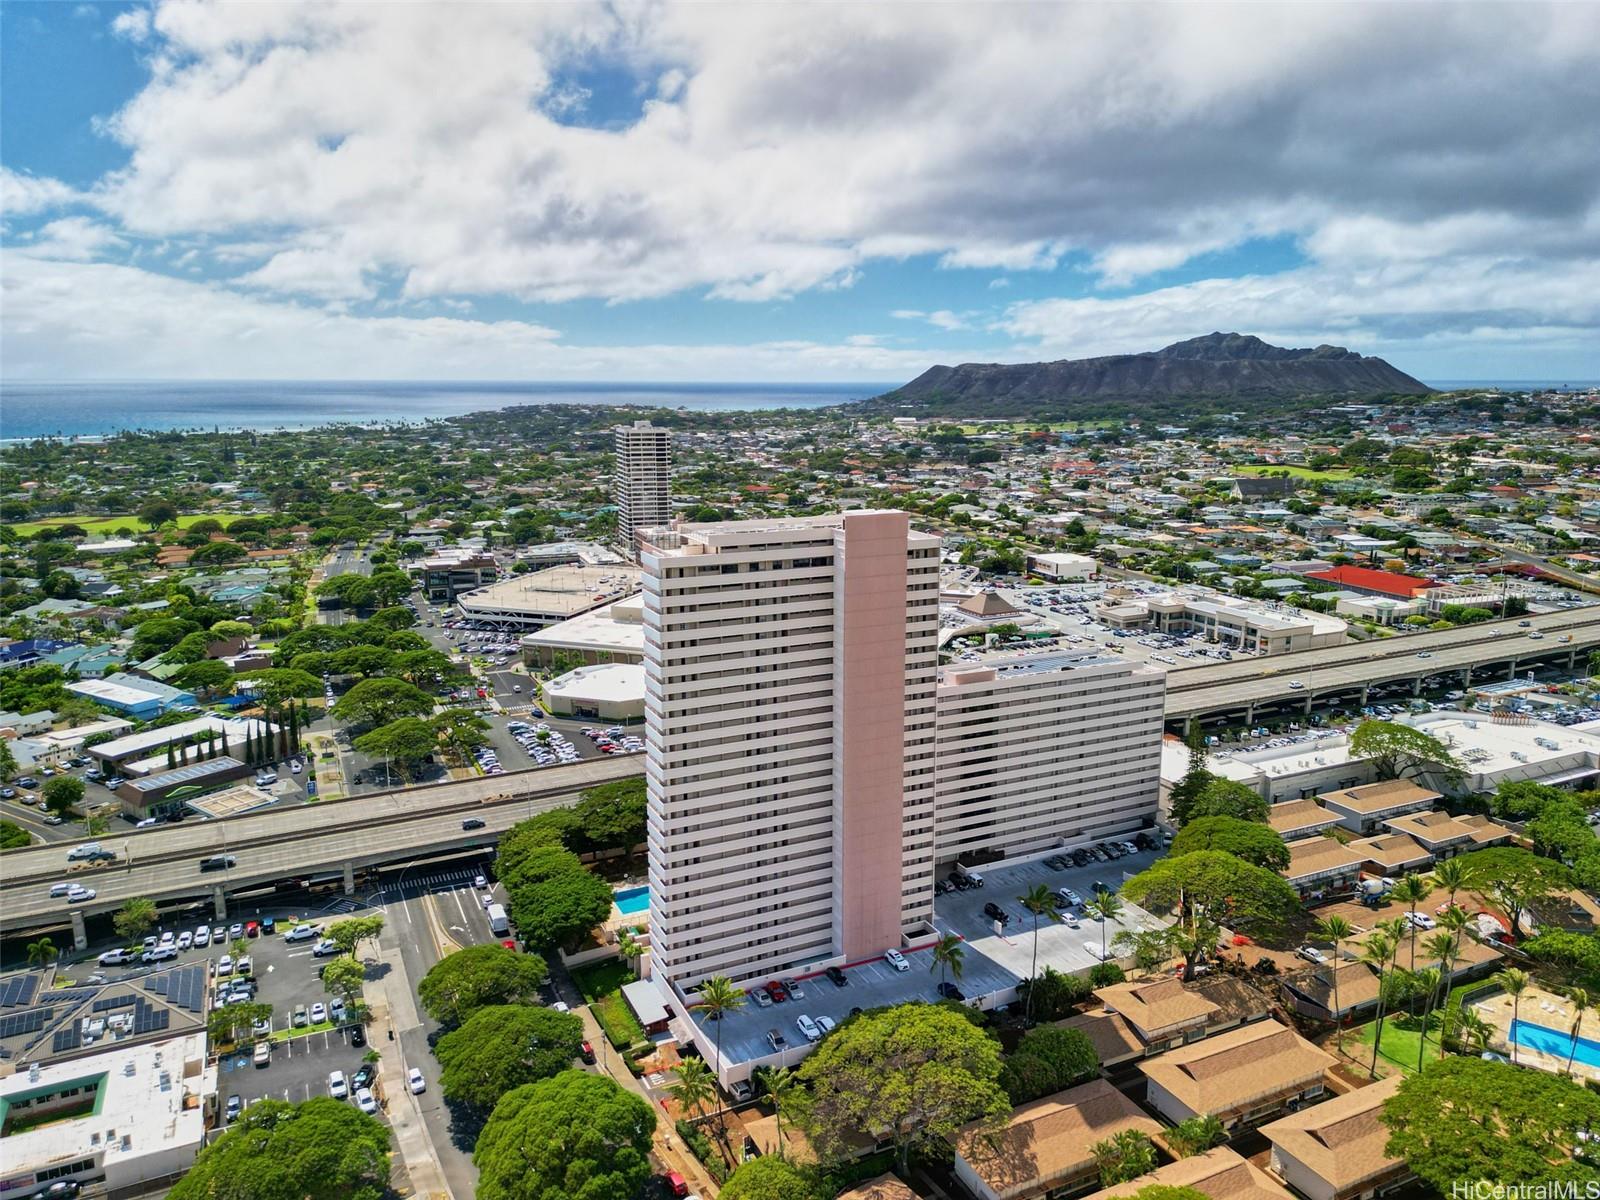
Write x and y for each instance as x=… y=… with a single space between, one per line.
x=676 y=1183
x=586 y=1052
x=775 y=990
x=252 y=929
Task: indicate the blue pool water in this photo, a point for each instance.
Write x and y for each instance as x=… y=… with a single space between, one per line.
x=632 y=900
x=1555 y=1043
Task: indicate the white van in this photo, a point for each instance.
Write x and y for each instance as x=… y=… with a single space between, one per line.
x=83 y=850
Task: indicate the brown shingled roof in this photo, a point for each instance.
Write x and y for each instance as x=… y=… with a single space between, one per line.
x=1319 y=854
x=1482 y=828
x=1049 y=1140
x=1341 y=1141
x=1234 y=1070
x=1375 y=797
x=1153 y=1007
x=1393 y=850
x=1220 y=1174
x=1435 y=827
x=1358 y=985
x=1112 y=1037
x=1299 y=814
x=884 y=1187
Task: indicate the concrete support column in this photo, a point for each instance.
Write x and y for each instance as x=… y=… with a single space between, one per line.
x=80 y=935
x=219 y=903
x=1188 y=726
x=1466 y=677
x=1512 y=673
x=1250 y=713
x=1365 y=687
x=1416 y=686
x=349 y=878
x=1308 y=704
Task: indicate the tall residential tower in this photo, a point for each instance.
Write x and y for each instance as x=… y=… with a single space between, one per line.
x=642 y=483
x=790 y=670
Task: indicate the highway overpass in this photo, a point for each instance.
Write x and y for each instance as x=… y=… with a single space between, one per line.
x=1240 y=689
x=300 y=842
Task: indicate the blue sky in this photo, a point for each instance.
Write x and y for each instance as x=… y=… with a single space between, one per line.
x=660 y=191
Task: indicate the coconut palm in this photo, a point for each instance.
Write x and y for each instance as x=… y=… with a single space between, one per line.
x=948 y=956
x=1378 y=948
x=1040 y=901
x=1513 y=983
x=718 y=997
x=41 y=952
x=778 y=1088
x=1581 y=1000
x=1196 y=1135
x=1474 y=1029
x=1451 y=875
x=1411 y=890
x=1454 y=921
x=1440 y=947
x=1105 y=908
x=696 y=1087
x=1335 y=929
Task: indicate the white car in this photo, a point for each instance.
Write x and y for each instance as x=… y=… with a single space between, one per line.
x=1312 y=954
x=808 y=1028
x=185 y=940
x=366 y=1103
x=324 y=948
x=1421 y=920
x=301 y=933
x=337 y=1087
x=319 y=1013
x=825 y=1024
x=115 y=958
x=1295 y=685
x=77 y=894
x=202 y=936
x=896 y=960
x=416 y=1082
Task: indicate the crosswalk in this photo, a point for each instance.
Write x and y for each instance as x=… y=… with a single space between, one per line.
x=461 y=877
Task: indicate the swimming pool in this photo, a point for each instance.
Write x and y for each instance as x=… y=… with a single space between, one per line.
x=632 y=900
x=1555 y=1043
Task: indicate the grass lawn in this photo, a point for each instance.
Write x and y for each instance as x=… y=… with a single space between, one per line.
x=1400 y=1038
x=1330 y=475
x=112 y=524
x=601 y=986
x=284 y=1035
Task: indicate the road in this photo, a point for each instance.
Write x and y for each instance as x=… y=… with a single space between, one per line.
x=305 y=841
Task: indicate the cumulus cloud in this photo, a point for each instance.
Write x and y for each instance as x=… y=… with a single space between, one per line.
x=23 y=195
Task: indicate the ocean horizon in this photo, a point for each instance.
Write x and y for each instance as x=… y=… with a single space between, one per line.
x=98 y=409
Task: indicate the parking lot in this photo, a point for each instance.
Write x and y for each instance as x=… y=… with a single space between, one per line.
x=993 y=961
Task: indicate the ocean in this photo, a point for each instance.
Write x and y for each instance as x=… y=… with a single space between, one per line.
x=31 y=410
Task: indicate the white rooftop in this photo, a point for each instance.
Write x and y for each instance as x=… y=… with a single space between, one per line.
x=618 y=627
x=606 y=683
x=156 y=739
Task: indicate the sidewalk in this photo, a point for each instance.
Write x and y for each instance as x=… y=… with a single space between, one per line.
x=667 y=1147
x=398 y=1012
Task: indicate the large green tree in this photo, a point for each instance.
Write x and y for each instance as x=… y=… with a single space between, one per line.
x=1518 y=880
x=405 y=742
x=555 y=900
x=135 y=918
x=274 y=685
x=1225 y=798
x=504 y=1046
x=910 y=1073
x=322 y=1149
x=576 y=1136
x=770 y=1178
x=379 y=701
x=1250 y=840
x=461 y=983
x=1047 y=1060
x=1211 y=889
x=610 y=817
x=1461 y=1120
x=349 y=933
x=1398 y=751
x=62 y=793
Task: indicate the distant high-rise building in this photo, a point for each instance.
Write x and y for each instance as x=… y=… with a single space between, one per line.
x=790 y=670
x=643 y=480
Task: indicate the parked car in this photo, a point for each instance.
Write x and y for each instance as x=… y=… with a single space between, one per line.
x=792 y=986
x=838 y=977
x=301 y=1016
x=777 y=992
x=366 y=1103
x=324 y=948
x=115 y=958
x=1312 y=954
x=263 y=1054
x=775 y=1040
x=896 y=960
x=235 y=1108
x=417 y=1083
x=807 y=1027
x=337 y=1087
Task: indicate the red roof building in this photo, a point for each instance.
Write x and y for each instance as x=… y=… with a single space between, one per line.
x=1373 y=583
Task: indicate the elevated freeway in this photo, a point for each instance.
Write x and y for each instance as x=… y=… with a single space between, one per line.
x=338 y=836
x=1473 y=653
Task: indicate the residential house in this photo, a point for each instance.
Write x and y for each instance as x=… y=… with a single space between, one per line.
x=1241 y=1078
x=1338 y=1150
x=1218 y=1174
x=1312 y=992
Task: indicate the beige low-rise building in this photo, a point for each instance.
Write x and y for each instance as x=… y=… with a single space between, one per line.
x=1393 y=854
x=1163 y=1013
x=1366 y=809
x=1295 y=819
x=1322 y=866
x=1218 y=1174
x=1444 y=836
x=1047 y=1147
x=1241 y=1078
x=1336 y=1150
x=1331 y=994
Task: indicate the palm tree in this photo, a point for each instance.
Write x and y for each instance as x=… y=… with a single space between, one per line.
x=948 y=956
x=719 y=996
x=1475 y=1029
x=1513 y=983
x=1451 y=875
x=1335 y=929
x=1040 y=901
x=41 y=952
x=1196 y=1135
x=1581 y=1000
x=1442 y=948
x=1454 y=921
x=1105 y=908
x=1411 y=890
x=1377 y=950
x=779 y=1088
x=696 y=1087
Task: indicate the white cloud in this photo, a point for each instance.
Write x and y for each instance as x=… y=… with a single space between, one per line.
x=76 y=238
x=23 y=195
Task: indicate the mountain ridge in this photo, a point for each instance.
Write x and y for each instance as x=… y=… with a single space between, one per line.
x=1213 y=366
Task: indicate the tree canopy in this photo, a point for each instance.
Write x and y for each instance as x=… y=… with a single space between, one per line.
x=62 y=793
x=1468 y=1119
x=769 y=1178
x=609 y=817
x=554 y=898
x=1210 y=889
x=504 y=1046
x=1046 y=1060
x=274 y=685
x=380 y=701
x=1250 y=840
x=322 y=1149
x=461 y=983
x=911 y=1072
x=576 y=1136
x=1517 y=879
x=1225 y=798
x=1398 y=751
x=406 y=741
x=349 y=933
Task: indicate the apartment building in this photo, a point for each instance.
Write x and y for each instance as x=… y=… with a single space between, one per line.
x=790 y=707
x=642 y=480
x=1039 y=751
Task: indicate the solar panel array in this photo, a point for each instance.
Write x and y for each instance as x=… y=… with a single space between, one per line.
x=112 y=1002
x=17 y=990
x=66 y=1038
x=184 y=987
x=31 y=1021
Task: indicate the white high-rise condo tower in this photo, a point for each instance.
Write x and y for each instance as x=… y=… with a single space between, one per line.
x=642 y=484
x=790 y=670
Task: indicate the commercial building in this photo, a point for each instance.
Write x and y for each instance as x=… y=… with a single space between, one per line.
x=1373 y=583
x=642 y=484
x=790 y=676
x=132 y=1117
x=610 y=692
x=454 y=570
x=1258 y=626
x=610 y=634
x=141 y=699
x=1370 y=807
x=141 y=753
x=1063 y=568
x=1337 y=1150
x=1047 y=1147
x=1037 y=752
x=543 y=598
